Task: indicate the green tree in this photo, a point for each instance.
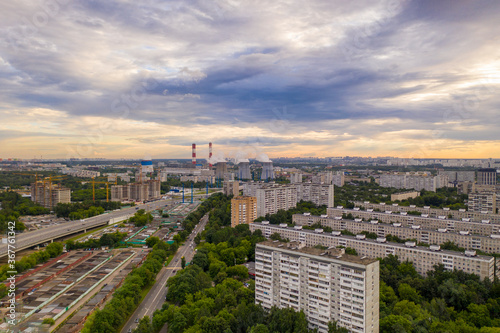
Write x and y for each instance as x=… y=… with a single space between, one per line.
x=144 y=326
x=183 y=262
x=54 y=249
x=334 y=328
x=152 y=241
x=396 y=324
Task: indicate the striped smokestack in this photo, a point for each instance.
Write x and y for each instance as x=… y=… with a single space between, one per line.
x=194 y=154
x=210 y=154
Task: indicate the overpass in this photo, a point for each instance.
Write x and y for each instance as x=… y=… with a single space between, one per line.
x=26 y=240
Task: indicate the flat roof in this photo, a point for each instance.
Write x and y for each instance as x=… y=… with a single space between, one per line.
x=332 y=254
x=407 y=227
x=367 y=240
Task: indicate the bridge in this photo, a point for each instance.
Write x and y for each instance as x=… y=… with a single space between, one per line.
x=30 y=239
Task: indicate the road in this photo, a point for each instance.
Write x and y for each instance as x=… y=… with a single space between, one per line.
x=33 y=238
x=156 y=296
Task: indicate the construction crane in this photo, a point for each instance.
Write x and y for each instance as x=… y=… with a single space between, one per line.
x=49 y=179
x=107 y=187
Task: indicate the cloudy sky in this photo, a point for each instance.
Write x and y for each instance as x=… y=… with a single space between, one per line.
x=131 y=78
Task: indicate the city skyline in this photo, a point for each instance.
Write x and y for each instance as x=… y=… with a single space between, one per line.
x=121 y=80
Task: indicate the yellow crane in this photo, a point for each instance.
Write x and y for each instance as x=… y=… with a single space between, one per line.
x=49 y=180
x=107 y=187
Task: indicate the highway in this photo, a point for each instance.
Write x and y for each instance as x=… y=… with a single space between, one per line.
x=33 y=238
x=156 y=296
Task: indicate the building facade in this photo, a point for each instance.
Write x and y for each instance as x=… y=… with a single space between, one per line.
x=483 y=202
x=432 y=212
x=413 y=181
x=487 y=176
x=404 y=195
x=325 y=284
x=231 y=188
x=319 y=194
x=49 y=196
x=243 y=210
x=417 y=232
x=483 y=228
x=273 y=197
x=423 y=258
x=147 y=190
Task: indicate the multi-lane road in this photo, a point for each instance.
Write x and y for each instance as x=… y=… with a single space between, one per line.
x=33 y=238
x=156 y=296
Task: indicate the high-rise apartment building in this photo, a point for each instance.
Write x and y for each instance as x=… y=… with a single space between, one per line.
x=413 y=181
x=326 y=284
x=243 y=210
x=273 y=197
x=319 y=194
x=487 y=176
x=296 y=177
x=484 y=202
x=231 y=187
x=147 y=190
x=49 y=195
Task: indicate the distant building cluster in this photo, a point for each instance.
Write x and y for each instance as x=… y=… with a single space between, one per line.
x=413 y=181
x=80 y=173
x=146 y=190
x=272 y=197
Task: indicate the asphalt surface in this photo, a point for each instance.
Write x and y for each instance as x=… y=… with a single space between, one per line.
x=156 y=296
x=33 y=238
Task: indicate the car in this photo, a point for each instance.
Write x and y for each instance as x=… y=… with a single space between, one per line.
x=129 y=330
x=174 y=272
x=136 y=320
x=176 y=260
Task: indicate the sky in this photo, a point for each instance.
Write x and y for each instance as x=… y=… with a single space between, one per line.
x=125 y=79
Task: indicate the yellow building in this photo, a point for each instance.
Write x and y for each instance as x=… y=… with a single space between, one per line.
x=243 y=210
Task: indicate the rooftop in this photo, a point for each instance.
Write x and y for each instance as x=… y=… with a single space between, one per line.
x=330 y=253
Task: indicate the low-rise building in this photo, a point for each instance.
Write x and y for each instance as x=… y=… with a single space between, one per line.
x=404 y=195
x=422 y=235
x=483 y=228
x=433 y=212
x=423 y=258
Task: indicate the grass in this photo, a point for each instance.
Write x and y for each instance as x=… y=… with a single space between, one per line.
x=169 y=259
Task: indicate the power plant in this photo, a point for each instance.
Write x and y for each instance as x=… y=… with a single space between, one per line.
x=244 y=170
x=220 y=170
x=267 y=171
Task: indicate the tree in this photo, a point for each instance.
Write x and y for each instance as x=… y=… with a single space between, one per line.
x=201 y=260
x=183 y=262
x=151 y=241
x=144 y=326
x=405 y=291
x=334 y=328
x=259 y=328
x=54 y=249
x=396 y=324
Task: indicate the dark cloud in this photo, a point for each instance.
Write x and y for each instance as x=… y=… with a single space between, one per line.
x=232 y=63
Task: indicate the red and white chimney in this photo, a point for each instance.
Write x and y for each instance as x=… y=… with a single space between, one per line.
x=210 y=154
x=194 y=154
